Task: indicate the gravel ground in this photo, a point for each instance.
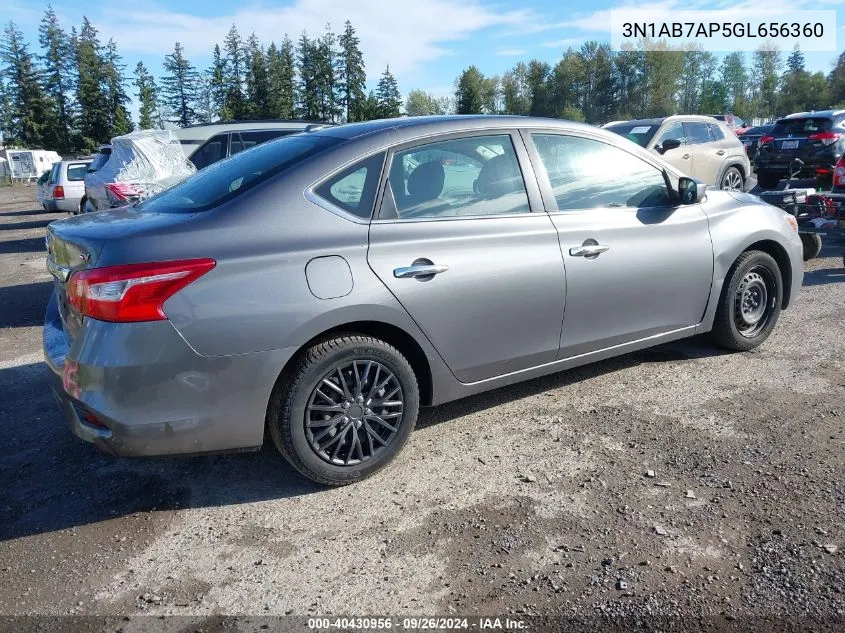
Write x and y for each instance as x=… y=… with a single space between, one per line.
x=679 y=482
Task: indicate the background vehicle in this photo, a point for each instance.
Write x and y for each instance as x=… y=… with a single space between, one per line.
x=41 y=188
x=139 y=165
x=206 y=143
x=815 y=138
x=325 y=285
x=66 y=186
x=696 y=145
x=94 y=190
x=751 y=138
x=733 y=122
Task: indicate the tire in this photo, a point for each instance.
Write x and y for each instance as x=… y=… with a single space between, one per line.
x=306 y=415
x=753 y=274
x=732 y=180
x=812 y=243
x=767 y=181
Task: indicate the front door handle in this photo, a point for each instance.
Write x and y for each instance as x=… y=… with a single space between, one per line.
x=721 y=152
x=588 y=250
x=419 y=270
x=685 y=156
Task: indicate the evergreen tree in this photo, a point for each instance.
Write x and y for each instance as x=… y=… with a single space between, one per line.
x=515 y=95
x=309 y=95
x=205 y=109
x=352 y=76
x=370 y=108
x=734 y=78
x=629 y=79
x=5 y=111
x=795 y=61
x=795 y=92
x=235 y=103
x=28 y=110
x=57 y=62
x=597 y=84
x=536 y=79
x=388 y=96
x=94 y=123
x=119 y=120
x=326 y=64
x=567 y=83
x=257 y=81
x=148 y=116
x=836 y=82
x=469 y=92
x=280 y=70
x=767 y=63
x=217 y=75
x=180 y=87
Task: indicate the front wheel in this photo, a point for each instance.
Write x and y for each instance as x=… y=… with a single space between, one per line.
x=750 y=303
x=345 y=409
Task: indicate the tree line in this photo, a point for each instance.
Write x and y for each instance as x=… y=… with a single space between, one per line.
x=73 y=94
x=596 y=84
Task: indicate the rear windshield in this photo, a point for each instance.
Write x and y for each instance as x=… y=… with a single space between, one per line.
x=638 y=132
x=76 y=171
x=233 y=176
x=100 y=159
x=801 y=127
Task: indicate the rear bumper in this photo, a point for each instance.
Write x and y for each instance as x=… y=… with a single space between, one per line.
x=66 y=204
x=152 y=394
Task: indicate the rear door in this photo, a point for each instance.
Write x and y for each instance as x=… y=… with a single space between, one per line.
x=461 y=240
x=637 y=266
x=707 y=157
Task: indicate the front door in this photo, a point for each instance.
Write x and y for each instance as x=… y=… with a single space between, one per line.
x=456 y=242
x=636 y=265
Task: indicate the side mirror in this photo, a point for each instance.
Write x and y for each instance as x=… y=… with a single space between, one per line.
x=690 y=191
x=669 y=143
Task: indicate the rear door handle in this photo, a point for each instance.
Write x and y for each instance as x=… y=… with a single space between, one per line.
x=685 y=156
x=415 y=271
x=721 y=152
x=588 y=250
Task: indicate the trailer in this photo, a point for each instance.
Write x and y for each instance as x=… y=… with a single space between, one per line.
x=26 y=165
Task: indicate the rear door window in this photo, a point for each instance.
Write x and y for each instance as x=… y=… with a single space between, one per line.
x=696 y=132
x=76 y=171
x=231 y=177
x=216 y=148
x=716 y=132
x=245 y=140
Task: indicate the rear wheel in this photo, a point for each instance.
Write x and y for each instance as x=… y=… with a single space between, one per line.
x=732 y=180
x=768 y=181
x=345 y=409
x=812 y=243
x=750 y=303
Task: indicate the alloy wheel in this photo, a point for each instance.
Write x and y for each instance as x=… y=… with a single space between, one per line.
x=732 y=181
x=354 y=412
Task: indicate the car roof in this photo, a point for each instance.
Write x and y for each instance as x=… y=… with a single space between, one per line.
x=203 y=131
x=77 y=160
x=818 y=114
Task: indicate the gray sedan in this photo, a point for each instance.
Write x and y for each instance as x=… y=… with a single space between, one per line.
x=324 y=286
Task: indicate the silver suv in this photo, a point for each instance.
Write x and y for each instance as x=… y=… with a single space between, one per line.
x=699 y=146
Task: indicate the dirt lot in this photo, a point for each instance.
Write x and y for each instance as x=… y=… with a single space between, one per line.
x=535 y=499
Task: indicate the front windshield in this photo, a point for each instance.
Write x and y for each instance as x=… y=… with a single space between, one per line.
x=640 y=133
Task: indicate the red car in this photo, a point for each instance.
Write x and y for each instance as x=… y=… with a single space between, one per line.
x=732 y=121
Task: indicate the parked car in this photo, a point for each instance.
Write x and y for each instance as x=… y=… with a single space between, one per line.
x=316 y=288
x=66 y=186
x=207 y=143
x=733 y=122
x=41 y=186
x=696 y=145
x=95 y=191
x=816 y=138
x=139 y=164
x=751 y=138
x=838 y=184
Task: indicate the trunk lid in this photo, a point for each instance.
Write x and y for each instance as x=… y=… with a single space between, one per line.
x=77 y=243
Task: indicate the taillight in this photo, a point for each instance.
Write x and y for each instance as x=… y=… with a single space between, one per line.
x=132 y=292
x=58 y=192
x=121 y=193
x=825 y=138
x=839 y=173
x=766 y=139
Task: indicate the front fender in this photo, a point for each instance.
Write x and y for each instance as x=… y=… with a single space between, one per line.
x=740 y=222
